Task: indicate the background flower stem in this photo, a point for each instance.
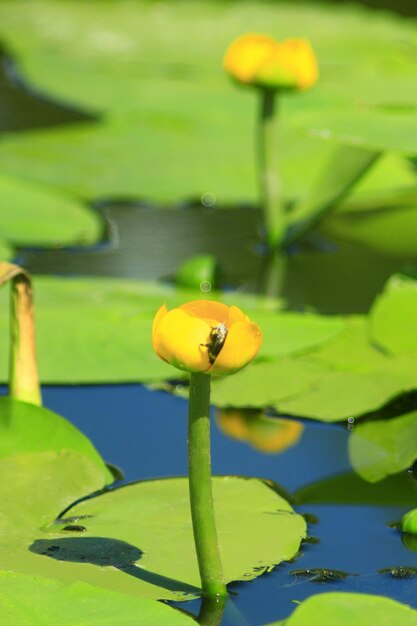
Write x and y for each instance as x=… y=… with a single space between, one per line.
x=201 y=498
x=269 y=179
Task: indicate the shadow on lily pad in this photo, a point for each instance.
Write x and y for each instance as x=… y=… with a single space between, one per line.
x=106 y=552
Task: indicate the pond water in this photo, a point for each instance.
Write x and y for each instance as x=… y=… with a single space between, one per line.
x=144 y=432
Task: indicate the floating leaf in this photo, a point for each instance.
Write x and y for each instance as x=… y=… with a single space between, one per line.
x=99 y=330
x=27 y=428
x=305 y=388
x=351 y=609
x=396 y=490
x=30 y=601
x=39 y=216
x=382 y=447
x=393 y=315
x=153 y=519
x=164 y=96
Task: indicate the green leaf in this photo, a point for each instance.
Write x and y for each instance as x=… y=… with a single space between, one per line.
x=382 y=447
x=304 y=388
x=346 y=165
x=30 y=601
x=39 y=216
x=289 y=333
x=99 y=330
x=27 y=428
x=165 y=96
x=145 y=531
x=392 y=318
x=6 y=251
x=351 y=609
x=396 y=490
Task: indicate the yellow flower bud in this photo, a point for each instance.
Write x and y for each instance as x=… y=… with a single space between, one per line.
x=261 y=61
x=205 y=336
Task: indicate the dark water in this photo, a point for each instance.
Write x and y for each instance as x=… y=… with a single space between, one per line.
x=144 y=432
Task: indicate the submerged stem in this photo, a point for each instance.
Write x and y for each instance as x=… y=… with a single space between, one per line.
x=269 y=179
x=201 y=497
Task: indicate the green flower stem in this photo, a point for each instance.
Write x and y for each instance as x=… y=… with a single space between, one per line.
x=269 y=179
x=211 y=611
x=23 y=370
x=201 y=497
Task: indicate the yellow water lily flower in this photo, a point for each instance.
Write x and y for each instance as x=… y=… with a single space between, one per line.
x=259 y=60
x=205 y=336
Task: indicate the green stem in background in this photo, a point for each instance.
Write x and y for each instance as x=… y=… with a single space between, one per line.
x=269 y=180
x=201 y=497
x=23 y=370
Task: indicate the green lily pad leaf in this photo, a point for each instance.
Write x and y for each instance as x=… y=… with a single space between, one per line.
x=394 y=490
x=305 y=388
x=27 y=428
x=136 y=62
x=6 y=251
x=382 y=447
x=99 y=330
x=143 y=533
x=168 y=96
x=351 y=609
x=290 y=333
x=393 y=315
x=40 y=216
x=30 y=601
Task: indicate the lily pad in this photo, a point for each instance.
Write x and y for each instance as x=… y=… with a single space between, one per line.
x=40 y=216
x=395 y=490
x=27 y=428
x=152 y=518
x=109 y=60
x=99 y=330
x=301 y=387
x=351 y=609
x=163 y=96
x=393 y=315
x=382 y=447
x=30 y=601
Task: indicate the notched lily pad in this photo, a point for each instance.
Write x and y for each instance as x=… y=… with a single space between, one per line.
x=33 y=600
x=351 y=609
x=144 y=531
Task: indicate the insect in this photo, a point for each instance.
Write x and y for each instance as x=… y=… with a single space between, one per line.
x=218 y=336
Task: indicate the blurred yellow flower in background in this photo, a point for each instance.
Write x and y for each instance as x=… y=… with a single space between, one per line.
x=259 y=60
x=205 y=336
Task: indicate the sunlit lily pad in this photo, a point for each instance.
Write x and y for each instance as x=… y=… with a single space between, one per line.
x=379 y=448
x=168 y=96
x=31 y=600
x=27 y=428
x=302 y=387
x=351 y=609
x=393 y=316
x=99 y=330
x=109 y=60
x=36 y=215
x=152 y=521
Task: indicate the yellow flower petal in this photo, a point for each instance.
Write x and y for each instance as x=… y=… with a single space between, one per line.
x=178 y=339
x=261 y=61
x=241 y=346
x=207 y=309
x=186 y=337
